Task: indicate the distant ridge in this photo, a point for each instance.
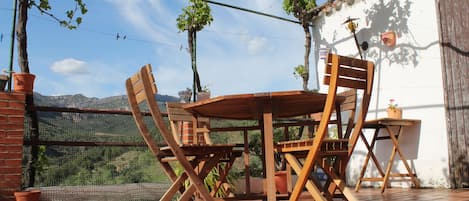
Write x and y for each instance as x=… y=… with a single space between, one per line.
x=81 y=101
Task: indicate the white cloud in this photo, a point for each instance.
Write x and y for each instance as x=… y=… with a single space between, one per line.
x=257 y=45
x=104 y=80
x=70 y=66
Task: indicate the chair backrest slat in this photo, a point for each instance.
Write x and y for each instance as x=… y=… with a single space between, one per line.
x=349 y=61
x=345 y=82
x=349 y=72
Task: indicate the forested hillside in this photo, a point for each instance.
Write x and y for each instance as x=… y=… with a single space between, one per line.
x=78 y=165
x=60 y=165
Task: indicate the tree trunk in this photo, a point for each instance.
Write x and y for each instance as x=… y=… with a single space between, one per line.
x=191 y=47
x=21 y=36
x=192 y=37
x=197 y=77
x=307 y=52
x=31 y=166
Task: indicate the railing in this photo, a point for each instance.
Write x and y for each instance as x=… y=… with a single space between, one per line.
x=51 y=118
x=84 y=143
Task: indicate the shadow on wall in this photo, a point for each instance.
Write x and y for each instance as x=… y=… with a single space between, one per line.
x=381 y=17
x=390 y=16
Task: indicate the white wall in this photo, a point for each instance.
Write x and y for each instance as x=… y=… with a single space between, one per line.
x=410 y=73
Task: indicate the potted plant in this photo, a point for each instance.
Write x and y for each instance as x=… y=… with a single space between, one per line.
x=204 y=94
x=41 y=165
x=185 y=95
x=393 y=110
x=193 y=19
x=300 y=71
x=28 y=195
x=72 y=22
x=281 y=173
x=23 y=82
x=281 y=181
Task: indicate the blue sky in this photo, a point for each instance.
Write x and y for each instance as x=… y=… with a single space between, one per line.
x=238 y=53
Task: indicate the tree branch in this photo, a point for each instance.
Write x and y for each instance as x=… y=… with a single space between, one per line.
x=49 y=14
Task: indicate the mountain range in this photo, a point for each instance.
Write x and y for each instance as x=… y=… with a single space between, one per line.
x=81 y=101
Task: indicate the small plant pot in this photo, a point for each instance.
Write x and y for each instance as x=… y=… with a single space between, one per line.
x=31 y=195
x=395 y=113
x=203 y=95
x=23 y=82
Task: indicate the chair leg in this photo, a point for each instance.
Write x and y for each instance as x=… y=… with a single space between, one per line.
x=310 y=186
x=340 y=183
x=177 y=184
x=205 y=170
x=223 y=175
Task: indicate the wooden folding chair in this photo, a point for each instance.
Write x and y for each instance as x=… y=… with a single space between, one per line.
x=201 y=125
x=196 y=160
x=340 y=72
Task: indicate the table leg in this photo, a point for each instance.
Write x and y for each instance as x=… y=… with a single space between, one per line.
x=402 y=157
x=269 y=156
x=246 y=163
x=388 y=169
x=367 y=158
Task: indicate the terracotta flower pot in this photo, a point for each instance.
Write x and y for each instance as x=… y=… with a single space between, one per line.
x=23 y=82
x=281 y=182
x=32 y=195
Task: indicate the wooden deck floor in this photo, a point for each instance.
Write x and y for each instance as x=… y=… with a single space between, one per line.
x=393 y=194
x=146 y=191
x=400 y=194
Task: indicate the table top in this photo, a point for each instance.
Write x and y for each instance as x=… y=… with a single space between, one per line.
x=251 y=106
x=381 y=122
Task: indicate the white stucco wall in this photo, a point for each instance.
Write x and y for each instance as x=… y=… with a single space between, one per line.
x=410 y=73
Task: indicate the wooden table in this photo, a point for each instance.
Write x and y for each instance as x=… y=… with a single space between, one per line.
x=387 y=124
x=263 y=107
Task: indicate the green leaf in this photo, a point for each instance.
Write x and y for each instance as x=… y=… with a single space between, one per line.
x=63 y=23
x=195 y=15
x=78 y=20
x=69 y=14
x=44 y=4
